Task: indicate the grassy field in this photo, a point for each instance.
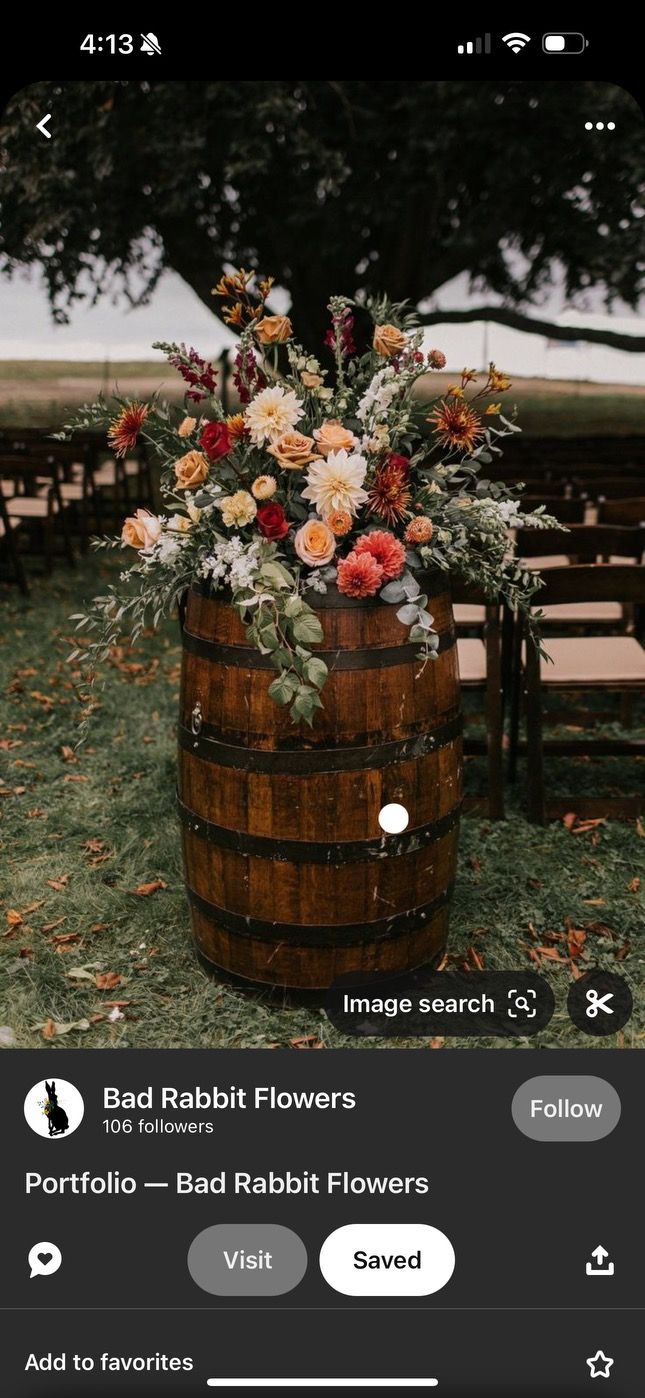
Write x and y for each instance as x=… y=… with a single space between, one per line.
x=41 y=392
x=96 y=949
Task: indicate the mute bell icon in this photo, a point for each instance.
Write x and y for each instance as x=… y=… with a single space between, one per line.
x=150 y=44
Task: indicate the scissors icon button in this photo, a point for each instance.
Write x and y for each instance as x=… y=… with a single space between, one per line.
x=596 y=1003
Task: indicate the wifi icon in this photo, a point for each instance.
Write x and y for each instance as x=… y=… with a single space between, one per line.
x=516 y=42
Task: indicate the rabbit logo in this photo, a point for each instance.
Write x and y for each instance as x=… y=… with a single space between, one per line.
x=54 y=1109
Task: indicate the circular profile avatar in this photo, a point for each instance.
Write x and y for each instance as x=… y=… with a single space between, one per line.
x=54 y=1109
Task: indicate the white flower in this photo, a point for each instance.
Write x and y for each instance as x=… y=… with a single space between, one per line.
x=180 y=523
x=335 y=483
x=238 y=509
x=273 y=412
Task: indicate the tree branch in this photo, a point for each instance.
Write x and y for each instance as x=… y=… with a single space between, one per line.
x=634 y=344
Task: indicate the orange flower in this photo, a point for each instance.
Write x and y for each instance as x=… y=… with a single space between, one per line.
x=359 y=575
x=236 y=426
x=388 y=340
x=274 y=330
x=456 y=424
x=492 y=409
x=419 y=531
x=293 y=450
x=332 y=436
x=141 y=530
x=123 y=432
x=340 y=522
x=388 y=552
x=191 y=470
x=187 y=426
x=310 y=380
x=389 y=495
x=498 y=382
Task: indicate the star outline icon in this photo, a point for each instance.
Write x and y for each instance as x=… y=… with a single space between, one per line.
x=600 y=1365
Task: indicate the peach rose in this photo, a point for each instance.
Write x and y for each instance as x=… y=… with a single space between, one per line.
x=388 y=340
x=141 y=530
x=274 y=330
x=332 y=436
x=187 y=426
x=314 y=543
x=293 y=450
x=310 y=380
x=191 y=470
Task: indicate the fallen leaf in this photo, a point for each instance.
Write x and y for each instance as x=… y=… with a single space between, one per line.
x=26 y=953
x=143 y=890
x=576 y=939
x=107 y=980
x=640 y=828
x=569 y=820
x=59 y=884
x=551 y=954
x=68 y=754
x=120 y=1004
x=307 y=1041
x=436 y=1043
x=475 y=959
x=100 y=926
x=75 y=777
x=32 y=906
x=94 y=846
x=49 y=926
x=623 y=952
x=35 y=813
x=634 y=886
x=52 y=1028
x=13 y=917
x=595 y=902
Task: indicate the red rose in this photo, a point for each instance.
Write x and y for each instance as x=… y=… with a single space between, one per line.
x=398 y=462
x=272 y=521
x=215 y=440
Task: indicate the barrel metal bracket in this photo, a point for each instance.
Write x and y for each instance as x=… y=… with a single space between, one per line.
x=196 y=719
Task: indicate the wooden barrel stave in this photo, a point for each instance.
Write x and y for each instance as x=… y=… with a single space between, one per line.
x=290 y=878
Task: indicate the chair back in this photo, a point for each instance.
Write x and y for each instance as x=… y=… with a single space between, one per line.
x=628 y=511
x=584 y=542
x=593 y=582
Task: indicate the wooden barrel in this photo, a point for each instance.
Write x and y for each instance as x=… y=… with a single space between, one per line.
x=290 y=878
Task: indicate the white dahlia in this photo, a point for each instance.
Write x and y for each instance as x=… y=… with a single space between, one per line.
x=272 y=413
x=337 y=483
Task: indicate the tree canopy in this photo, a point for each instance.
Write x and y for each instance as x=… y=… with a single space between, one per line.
x=328 y=186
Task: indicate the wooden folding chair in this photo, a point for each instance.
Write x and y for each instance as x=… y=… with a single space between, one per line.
x=480 y=669
x=32 y=492
x=614 y=665
x=630 y=510
x=9 y=546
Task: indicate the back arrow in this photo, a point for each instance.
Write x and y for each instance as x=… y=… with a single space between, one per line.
x=41 y=125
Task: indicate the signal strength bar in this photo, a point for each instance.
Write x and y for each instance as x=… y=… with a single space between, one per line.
x=475 y=45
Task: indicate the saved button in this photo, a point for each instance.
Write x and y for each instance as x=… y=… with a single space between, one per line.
x=387 y=1259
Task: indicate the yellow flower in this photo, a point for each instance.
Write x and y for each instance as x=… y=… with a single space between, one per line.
x=236 y=426
x=238 y=509
x=498 y=381
x=455 y=390
x=467 y=375
x=310 y=380
x=274 y=330
x=491 y=409
x=187 y=426
x=388 y=340
x=264 y=487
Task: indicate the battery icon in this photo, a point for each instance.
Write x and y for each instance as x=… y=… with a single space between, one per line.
x=564 y=43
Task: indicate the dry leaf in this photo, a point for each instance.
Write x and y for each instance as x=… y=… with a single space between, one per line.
x=569 y=820
x=307 y=1041
x=640 y=828
x=143 y=890
x=34 y=813
x=94 y=846
x=75 y=777
x=68 y=754
x=52 y=1028
x=49 y=926
x=595 y=902
x=13 y=917
x=436 y=1043
x=107 y=980
x=634 y=886
x=59 y=884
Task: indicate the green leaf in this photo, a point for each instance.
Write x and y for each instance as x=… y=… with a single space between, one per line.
x=417 y=633
x=315 y=671
x=307 y=628
x=408 y=614
x=294 y=606
x=393 y=591
x=305 y=704
x=283 y=688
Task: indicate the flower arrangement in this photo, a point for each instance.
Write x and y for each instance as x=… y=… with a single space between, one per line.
x=325 y=476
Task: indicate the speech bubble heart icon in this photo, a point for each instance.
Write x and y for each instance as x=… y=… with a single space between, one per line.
x=44 y=1259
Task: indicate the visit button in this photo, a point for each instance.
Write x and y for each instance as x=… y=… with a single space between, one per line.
x=387 y=1259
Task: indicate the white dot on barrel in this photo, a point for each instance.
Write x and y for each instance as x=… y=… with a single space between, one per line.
x=393 y=818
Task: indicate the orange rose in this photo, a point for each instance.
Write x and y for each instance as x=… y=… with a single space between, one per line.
x=332 y=436
x=191 y=470
x=141 y=530
x=314 y=543
x=293 y=450
x=274 y=330
x=388 y=340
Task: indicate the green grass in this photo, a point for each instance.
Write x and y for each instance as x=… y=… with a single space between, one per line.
x=512 y=876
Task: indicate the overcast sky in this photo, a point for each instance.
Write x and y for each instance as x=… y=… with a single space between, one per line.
x=175 y=313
